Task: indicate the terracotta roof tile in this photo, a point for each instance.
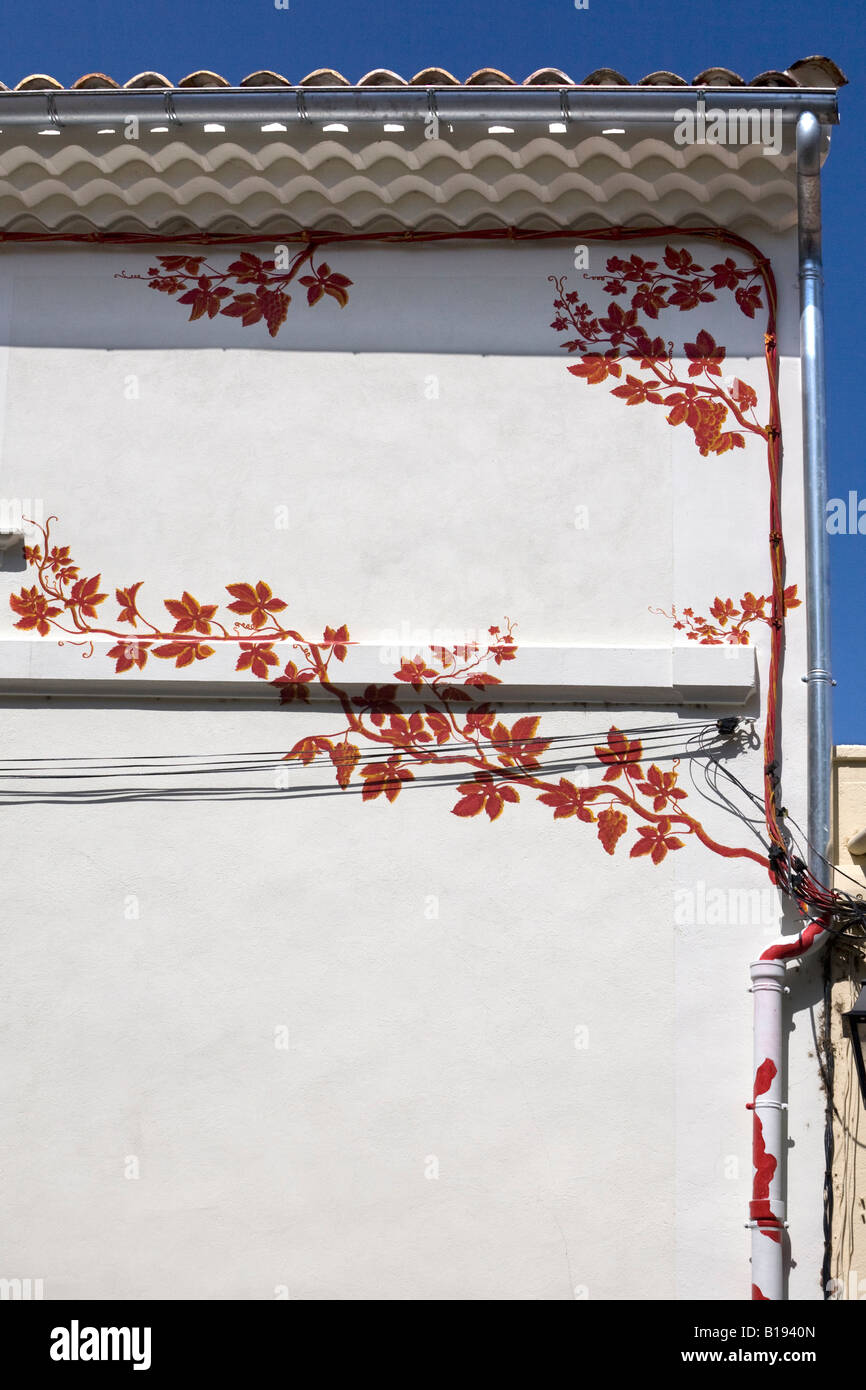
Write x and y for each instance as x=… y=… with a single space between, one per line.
x=814 y=71
x=39 y=82
x=774 y=79
x=549 y=77
x=606 y=77
x=146 y=79
x=817 y=72
x=203 y=78
x=662 y=79
x=321 y=77
x=265 y=78
x=718 y=77
x=434 y=77
x=93 y=80
x=490 y=77
x=382 y=77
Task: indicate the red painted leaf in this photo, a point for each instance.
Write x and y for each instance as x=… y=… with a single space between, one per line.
x=437 y=724
x=336 y=639
x=569 y=800
x=255 y=601
x=190 y=614
x=257 y=657
x=128 y=654
x=595 y=369
x=34 y=610
x=183 y=653
x=655 y=840
x=306 y=749
x=620 y=755
x=126 y=599
x=85 y=597
x=385 y=777
x=415 y=672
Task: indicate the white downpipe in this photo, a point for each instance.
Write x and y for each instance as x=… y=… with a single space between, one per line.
x=767 y=1207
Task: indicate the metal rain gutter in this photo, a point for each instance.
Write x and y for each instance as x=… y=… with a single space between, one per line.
x=308 y=105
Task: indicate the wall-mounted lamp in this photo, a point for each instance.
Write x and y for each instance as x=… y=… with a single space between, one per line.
x=13 y=541
x=857 y=843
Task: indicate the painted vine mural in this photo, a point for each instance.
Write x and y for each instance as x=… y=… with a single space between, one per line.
x=451 y=721
x=250 y=289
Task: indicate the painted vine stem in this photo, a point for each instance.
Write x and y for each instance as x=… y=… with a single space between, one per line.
x=448 y=723
x=704 y=400
x=752 y=609
x=250 y=289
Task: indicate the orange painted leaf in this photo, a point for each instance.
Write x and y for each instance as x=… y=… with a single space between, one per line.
x=183 y=653
x=620 y=755
x=337 y=639
x=128 y=654
x=34 y=610
x=569 y=800
x=744 y=395
x=635 y=392
x=245 y=307
x=85 y=596
x=257 y=602
x=190 y=614
x=749 y=300
x=791 y=600
x=484 y=795
x=705 y=355
x=257 y=657
x=437 y=724
x=127 y=601
x=596 y=369
x=662 y=787
x=384 y=777
x=292 y=685
x=655 y=840
x=481 y=678
x=444 y=656
x=414 y=672
x=306 y=749
x=472 y=801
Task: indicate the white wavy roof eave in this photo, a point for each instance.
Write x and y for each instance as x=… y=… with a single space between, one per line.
x=345 y=182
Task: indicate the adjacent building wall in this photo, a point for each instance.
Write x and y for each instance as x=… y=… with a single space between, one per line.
x=849 y=972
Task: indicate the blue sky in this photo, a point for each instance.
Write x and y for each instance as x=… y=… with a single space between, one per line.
x=635 y=36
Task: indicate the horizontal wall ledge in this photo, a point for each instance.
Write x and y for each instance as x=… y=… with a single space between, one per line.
x=668 y=675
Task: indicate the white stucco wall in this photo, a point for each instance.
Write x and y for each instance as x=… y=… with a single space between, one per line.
x=555 y=1028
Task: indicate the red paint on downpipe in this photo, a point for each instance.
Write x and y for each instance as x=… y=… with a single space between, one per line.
x=787 y=950
x=765 y=1163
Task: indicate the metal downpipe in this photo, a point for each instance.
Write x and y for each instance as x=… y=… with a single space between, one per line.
x=767 y=1209
x=818 y=676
